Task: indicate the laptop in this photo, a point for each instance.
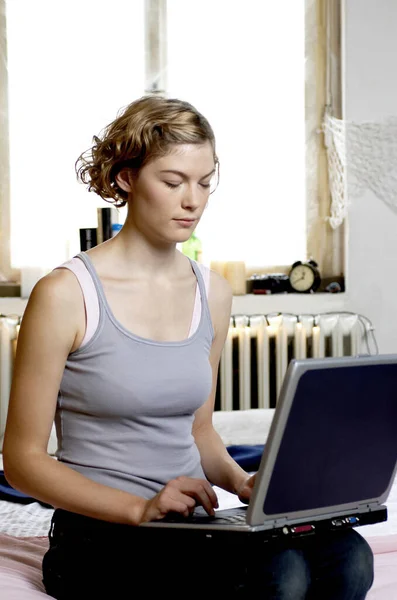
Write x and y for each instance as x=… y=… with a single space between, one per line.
x=330 y=458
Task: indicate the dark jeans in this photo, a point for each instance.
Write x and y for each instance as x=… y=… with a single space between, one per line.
x=91 y=559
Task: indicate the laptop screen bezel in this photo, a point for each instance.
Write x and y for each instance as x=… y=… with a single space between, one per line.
x=296 y=369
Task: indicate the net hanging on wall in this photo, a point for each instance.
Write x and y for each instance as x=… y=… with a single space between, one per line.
x=366 y=153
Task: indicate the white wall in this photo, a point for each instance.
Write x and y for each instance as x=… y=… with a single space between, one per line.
x=370 y=52
x=371 y=95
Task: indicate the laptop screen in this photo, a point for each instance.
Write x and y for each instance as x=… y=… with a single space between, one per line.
x=340 y=439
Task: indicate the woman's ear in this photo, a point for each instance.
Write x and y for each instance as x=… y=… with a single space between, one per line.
x=124 y=180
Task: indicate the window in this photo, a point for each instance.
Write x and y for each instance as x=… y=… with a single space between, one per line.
x=72 y=64
x=242 y=65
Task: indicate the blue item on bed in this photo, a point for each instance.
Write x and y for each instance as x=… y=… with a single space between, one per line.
x=10 y=494
x=247 y=456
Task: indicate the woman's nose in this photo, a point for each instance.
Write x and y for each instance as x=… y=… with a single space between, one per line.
x=191 y=197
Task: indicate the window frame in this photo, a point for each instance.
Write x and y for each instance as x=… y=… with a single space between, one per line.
x=10 y=274
x=324 y=55
x=323 y=243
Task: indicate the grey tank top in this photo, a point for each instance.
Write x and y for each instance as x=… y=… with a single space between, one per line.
x=126 y=404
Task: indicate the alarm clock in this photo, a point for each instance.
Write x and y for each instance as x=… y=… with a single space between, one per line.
x=304 y=277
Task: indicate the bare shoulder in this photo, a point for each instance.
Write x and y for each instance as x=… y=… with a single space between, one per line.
x=59 y=290
x=221 y=288
x=220 y=301
x=56 y=304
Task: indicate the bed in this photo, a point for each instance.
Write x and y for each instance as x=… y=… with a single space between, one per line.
x=23 y=528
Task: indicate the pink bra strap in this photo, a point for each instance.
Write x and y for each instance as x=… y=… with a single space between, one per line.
x=89 y=294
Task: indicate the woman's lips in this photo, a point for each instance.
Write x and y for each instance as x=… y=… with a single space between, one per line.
x=186 y=222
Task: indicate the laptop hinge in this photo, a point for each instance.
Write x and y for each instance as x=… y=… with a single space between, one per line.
x=368 y=506
x=280 y=522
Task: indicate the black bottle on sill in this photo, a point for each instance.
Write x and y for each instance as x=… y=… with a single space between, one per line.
x=88 y=238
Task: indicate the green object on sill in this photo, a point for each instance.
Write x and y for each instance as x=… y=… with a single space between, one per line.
x=192 y=247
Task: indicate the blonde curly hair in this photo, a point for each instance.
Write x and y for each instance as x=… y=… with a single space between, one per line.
x=142 y=131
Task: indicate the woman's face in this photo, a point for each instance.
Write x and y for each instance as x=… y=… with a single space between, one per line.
x=170 y=193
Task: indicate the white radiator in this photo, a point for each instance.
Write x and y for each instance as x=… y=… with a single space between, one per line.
x=258 y=349
x=8 y=338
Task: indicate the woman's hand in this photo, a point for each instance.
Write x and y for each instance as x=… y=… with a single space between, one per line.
x=245 y=490
x=180 y=495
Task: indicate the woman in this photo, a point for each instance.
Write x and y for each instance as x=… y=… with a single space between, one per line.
x=122 y=345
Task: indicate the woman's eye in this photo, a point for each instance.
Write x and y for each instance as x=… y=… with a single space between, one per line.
x=175 y=185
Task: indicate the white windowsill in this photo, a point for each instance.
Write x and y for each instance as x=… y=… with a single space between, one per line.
x=293 y=303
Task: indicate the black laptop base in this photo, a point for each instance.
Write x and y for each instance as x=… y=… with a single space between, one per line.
x=243 y=535
x=333 y=524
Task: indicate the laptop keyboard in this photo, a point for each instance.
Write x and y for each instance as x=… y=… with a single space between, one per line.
x=235 y=516
x=237 y=519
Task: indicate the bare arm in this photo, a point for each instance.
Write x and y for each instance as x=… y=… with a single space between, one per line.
x=52 y=326
x=50 y=329
x=219 y=467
